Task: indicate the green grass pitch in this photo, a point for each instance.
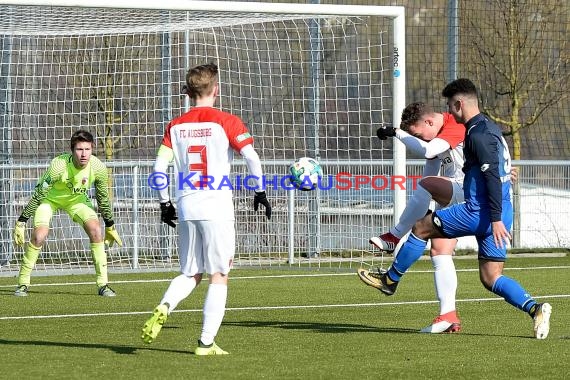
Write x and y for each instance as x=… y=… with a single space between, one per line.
x=287 y=324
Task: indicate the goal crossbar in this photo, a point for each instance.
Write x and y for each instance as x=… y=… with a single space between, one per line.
x=222 y=6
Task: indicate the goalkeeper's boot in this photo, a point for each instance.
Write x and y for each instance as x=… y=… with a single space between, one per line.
x=153 y=325
x=542 y=320
x=385 y=242
x=106 y=291
x=21 y=291
x=445 y=323
x=378 y=279
x=212 y=349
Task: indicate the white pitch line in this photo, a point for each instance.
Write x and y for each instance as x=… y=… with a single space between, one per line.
x=257 y=308
x=280 y=276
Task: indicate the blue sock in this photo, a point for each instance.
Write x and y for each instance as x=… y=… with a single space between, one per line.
x=513 y=293
x=410 y=252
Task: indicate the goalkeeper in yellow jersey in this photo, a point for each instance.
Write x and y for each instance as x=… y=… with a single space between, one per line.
x=64 y=186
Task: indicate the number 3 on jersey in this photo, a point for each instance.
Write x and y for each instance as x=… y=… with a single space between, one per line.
x=199 y=166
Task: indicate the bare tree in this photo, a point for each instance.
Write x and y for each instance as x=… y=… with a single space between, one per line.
x=520 y=55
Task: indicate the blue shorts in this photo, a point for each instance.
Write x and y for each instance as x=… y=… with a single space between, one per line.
x=464 y=220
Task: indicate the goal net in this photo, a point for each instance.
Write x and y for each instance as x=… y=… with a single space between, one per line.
x=308 y=80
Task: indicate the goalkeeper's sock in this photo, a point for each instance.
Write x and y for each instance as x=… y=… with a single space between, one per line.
x=28 y=263
x=100 y=261
x=214 y=310
x=180 y=288
x=513 y=293
x=410 y=252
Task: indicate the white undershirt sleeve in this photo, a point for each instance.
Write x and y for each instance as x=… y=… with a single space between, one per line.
x=253 y=164
x=163 y=159
x=426 y=149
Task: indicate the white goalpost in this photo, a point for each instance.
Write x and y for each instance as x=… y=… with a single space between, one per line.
x=307 y=79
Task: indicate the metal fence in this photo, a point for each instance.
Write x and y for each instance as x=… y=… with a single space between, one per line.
x=317 y=227
x=522 y=79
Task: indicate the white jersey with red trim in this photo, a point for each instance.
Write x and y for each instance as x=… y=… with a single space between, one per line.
x=452 y=159
x=203 y=141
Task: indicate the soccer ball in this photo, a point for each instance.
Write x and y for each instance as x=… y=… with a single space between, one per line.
x=305 y=173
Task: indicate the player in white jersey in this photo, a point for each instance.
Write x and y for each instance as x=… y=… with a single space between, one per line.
x=201 y=143
x=438 y=138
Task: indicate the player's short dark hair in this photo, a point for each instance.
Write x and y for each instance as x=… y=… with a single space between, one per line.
x=81 y=136
x=459 y=86
x=413 y=113
x=200 y=80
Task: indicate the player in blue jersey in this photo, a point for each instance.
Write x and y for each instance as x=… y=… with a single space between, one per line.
x=485 y=214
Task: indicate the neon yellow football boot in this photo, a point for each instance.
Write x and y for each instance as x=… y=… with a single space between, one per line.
x=212 y=349
x=153 y=325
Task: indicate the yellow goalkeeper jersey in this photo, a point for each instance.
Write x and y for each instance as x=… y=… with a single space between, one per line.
x=63 y=184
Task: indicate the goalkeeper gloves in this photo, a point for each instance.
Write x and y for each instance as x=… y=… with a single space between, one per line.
x=384 y=133
x=112 y=236
x=168 y=214
x=261 y=198
x=19 y=234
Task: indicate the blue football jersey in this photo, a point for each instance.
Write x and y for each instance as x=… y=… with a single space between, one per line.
x=487 y=166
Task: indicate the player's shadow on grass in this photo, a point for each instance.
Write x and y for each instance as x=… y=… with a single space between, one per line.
x=38 y=293
x=123 y=350
x=340 y=328
x=330 y=328
x=464 y=333
x=48 y=292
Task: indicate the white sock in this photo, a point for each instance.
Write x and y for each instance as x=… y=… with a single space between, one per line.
x=214 y=310
x=180 y=288
x=416 y=208
x=445 y=282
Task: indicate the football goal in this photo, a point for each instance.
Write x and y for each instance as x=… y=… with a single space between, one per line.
x=307 y=79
